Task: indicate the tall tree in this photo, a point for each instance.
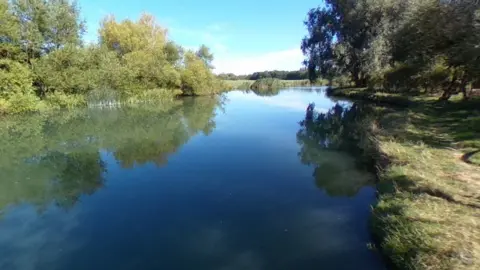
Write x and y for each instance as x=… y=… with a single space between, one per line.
x=47 y=25
x=343 y=38
x=128 y=36
x=9 y=32
x=204 y=53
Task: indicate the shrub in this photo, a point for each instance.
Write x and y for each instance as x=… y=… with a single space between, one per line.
x=401 y=77
x=60 y=100
x=197 y=78
x=342 y=81
x=15 y=78
x=22 y=103
x=267 y=84
x=436 y=76
x=154 y=95
x=67 y=70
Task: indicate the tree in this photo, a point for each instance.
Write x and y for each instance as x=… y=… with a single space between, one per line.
x=348 y=37
x=9 y=33
x=47 y=25
x=15 y=77
x=197 y=78
x=444 y=32
x=40 y=41
x=207 y=57
x=128 y=36
x=68 y=70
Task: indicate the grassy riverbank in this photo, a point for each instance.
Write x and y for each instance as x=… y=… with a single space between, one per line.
x=428 y=213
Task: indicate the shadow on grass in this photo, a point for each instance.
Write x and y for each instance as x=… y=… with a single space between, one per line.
x=467 y=157
x=427 y=120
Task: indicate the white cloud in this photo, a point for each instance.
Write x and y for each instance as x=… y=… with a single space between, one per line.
x=290 y=59
x=217 y=37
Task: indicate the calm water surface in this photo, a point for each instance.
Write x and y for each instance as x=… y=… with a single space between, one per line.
x=201 y=183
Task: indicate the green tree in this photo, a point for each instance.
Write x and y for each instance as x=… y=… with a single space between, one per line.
x=128 y=36
x=197 y=79
x=47 y=25
x=207 y=57
x=9 y=33
x=68 y=70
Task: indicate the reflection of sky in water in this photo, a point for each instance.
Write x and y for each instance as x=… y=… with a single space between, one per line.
x=286 y=99
x=237 y=199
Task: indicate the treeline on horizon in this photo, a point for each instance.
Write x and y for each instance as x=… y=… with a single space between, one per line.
x=301 y=74
x=426 y=46
x=44 y=62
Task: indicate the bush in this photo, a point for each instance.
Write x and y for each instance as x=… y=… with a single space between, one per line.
x=267 y=84
x=21 y=103
x=153 y=96
x=60 y=100
x=15 y=78
x=436 y=76
x=68 y=70
x=342 y=81
x=401 y=78
x=197 y=78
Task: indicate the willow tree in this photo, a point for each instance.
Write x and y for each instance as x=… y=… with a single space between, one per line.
x=148 y=60
x=47 y=25
x=204 y=53
x=129 y=36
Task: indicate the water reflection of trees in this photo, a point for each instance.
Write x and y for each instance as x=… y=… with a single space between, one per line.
x=266 y=92
x=56 y=158
x=330 y=143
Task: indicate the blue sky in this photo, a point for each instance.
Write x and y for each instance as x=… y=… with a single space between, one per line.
x=245 y=36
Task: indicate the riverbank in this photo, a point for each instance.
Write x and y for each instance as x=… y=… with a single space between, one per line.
x=96 y=98
x=428 y=212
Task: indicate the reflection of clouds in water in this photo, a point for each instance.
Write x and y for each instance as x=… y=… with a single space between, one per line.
x=209 y=242
x=219 y=243
x=27 y=241
x=303 y=236
x=324 y=230
x=244 y=261
x=315 y=233
x=283 y=100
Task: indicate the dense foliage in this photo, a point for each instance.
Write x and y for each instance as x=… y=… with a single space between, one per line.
x=426 y=45
x=44 y=63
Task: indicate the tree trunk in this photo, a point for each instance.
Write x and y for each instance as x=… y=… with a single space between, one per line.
x=463 y=87
x=447 y=93
x=359 y=81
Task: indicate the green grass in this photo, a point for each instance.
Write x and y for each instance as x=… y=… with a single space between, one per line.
x=428 y=212
x=475 y=159
x=239 y=84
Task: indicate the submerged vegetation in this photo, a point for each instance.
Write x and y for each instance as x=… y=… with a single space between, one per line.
x=44 y=63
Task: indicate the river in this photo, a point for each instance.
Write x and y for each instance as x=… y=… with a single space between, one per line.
x=200 y=183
